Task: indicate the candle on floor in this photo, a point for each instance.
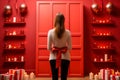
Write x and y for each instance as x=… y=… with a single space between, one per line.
x=91 y=76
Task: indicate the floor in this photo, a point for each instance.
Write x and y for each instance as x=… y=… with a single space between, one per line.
x=85 y=78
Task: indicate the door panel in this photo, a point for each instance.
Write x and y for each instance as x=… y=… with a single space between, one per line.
x=75 y=16
x=62 y=8
x=45 y=15
x=44 y=18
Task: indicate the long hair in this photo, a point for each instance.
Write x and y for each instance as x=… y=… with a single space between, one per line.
x=59 y=25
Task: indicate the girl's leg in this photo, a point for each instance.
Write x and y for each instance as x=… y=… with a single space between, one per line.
x=64 y=69
x=54 y=70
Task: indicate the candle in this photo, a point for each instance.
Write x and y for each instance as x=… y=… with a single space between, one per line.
x=99 y=76
x=105 y=57
x=32 y=76
x=95 y=59
x=22 y=58
x=9 y=46
x=96 y=77
x=15 y=59
x=101 y=59
x=91 y=76
x=14 y=32
x=14 y=19
x=26 y=77
x=117 y=73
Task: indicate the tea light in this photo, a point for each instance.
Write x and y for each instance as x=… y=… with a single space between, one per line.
x=95 y=59
x=104 y=34
x=9 y=46
x=100 y=21
x=9 y=59
x=103 y=21
x=104 y=47
x=14 y=32
x=101 y=59
x=10 y=33
x=101 y=34
x=15 y=59
x=101 y=47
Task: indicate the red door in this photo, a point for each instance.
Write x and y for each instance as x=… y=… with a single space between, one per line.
x=46 y=11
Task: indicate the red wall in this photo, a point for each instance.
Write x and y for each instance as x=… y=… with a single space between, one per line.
x=30 y=34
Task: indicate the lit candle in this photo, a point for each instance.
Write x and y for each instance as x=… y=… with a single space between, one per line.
x=32 y=76
x=22 y=58
x=99 y=76
x=26 y=77
x=14 y=32
x=9 y=59
x=9 y=46
x=95 y=59
x=96 y=77
x=101 y=59
x=105 y=57
x=15 y=59
x=91 y=76
x=117 y=73
x=14 y=19
x=103 y=21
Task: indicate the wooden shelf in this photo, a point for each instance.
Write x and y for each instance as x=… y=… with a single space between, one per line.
x=14 y=23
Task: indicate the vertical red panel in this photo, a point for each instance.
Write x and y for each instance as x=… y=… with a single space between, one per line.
x=44 y=23
x=76 y=28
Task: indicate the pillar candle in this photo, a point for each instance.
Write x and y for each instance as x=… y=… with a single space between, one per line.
x=95 y=77
x=91 y=75
x=105 y=57
x=26 y=77
x=32 y=76
x=99 y=76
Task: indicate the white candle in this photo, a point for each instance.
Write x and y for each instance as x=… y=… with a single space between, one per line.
x=14 y=19
x=95 y=77
x=99 y=76
x=95 y=59
x=91 y=76
x=105 y=57
x=101 y=72
x=22 y=58
x=26 y=77
x=32 y=76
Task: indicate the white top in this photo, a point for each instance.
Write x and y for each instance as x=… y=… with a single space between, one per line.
x=52 y=40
